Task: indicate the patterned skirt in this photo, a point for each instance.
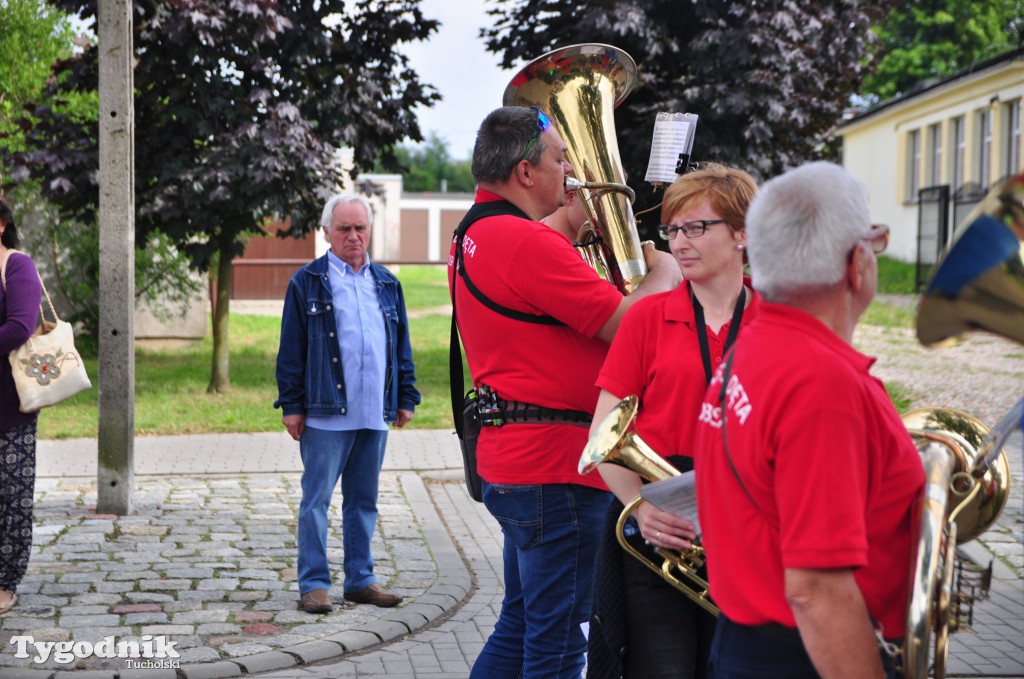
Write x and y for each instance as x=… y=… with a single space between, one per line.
x=17 y=487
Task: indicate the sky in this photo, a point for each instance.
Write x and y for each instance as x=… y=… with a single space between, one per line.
x=456 y=62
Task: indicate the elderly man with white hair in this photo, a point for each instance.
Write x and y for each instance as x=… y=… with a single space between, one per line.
x=806 y=477
x=344 y=373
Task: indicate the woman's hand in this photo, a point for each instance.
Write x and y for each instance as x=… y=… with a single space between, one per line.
x=663 y=529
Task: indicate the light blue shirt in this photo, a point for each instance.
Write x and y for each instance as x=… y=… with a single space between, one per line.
x=363 y=343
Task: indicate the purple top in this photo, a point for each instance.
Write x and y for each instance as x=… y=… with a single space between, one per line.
x=19 y=316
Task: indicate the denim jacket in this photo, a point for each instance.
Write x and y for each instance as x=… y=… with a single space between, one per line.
x=310 y=379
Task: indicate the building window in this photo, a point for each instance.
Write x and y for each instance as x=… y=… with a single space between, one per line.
x=913 y=165
x=959 y=147
x=1013 y=137
x=935 y=155
x=984 y=148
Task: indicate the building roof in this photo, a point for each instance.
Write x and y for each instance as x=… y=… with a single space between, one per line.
x=935 y=83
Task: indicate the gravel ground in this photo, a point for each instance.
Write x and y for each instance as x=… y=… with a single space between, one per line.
x=982 y=375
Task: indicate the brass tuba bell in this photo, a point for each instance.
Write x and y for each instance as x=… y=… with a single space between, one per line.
x=615 y=441
x=978 y=284
x=578 y=87
x=979 y=281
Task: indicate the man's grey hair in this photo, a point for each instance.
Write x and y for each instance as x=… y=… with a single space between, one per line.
x=801 y=228
x=502 y=140
x=344 y=199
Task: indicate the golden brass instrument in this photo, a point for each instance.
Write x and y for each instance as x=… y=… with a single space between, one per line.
x=616 y=441
x=977 y=284
x=960 y=503
x=578 y=87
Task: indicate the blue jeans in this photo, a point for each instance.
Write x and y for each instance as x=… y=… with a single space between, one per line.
x=355 y=456
x=551 y=538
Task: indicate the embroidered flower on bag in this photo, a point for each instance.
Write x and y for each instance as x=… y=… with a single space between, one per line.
x=43 y=368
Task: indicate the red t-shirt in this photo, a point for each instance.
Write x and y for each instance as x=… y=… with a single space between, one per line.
x=530 y=267
x=822 y=451
x=656 y=355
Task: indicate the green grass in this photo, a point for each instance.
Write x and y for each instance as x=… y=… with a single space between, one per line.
x=425 y=287
x=896 y=277
x=888 y=316
x=900 y=396
x=170 y=384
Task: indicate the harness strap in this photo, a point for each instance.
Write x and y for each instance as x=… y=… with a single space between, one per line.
x=481 y=211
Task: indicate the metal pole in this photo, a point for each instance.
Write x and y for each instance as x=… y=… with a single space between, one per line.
x=116 y=474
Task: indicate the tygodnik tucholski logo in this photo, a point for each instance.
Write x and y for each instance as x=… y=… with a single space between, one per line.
x=146 y=652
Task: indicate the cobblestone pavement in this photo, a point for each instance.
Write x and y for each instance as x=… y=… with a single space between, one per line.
x=207 y=556
x=207 y=559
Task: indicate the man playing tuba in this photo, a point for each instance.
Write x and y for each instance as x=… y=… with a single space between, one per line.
x=536 y=321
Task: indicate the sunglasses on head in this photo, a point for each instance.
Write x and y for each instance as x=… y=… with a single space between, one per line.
x=543 y=123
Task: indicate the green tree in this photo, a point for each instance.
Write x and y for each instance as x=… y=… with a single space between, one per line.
x=768 y=80
x=426 y=166
x=933 y=38
x=240 y=107
x=33 y=35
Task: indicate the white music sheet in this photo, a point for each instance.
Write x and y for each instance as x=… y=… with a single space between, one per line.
x=673 y=135
x=676 y=495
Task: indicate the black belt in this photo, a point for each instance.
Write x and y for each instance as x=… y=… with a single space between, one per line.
x=496 y=412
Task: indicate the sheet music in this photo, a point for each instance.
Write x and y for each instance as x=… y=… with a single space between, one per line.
x=673 y=135
x=676 y=495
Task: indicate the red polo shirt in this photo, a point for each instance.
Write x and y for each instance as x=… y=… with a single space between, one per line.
x=656 y=355
x=530 y=267
x=822 y=451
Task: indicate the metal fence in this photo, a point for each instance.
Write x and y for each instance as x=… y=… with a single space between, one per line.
x=935 y=229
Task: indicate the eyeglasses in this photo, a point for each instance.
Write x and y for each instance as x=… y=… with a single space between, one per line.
x=877 y=237
x=693 y=229
x=543 y=123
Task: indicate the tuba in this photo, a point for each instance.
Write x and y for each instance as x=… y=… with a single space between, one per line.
x=977 y=284
x=578 y=87
x=616 y=441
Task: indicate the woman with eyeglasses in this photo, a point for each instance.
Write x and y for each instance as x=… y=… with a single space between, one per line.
x=667 y=348
x=19 y=315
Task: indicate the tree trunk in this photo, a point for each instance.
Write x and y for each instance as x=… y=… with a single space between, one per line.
x=220 y=374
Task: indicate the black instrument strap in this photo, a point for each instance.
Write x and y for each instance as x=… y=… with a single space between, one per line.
x=725 y=443
x=702 y=329
x=456 y=375
x=477 y=212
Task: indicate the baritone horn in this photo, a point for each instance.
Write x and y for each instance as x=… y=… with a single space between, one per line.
x=961 y=502
x=578 y=87
x=978 y=284
x=615 y=441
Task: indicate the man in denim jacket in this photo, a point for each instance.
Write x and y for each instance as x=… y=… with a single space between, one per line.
x=344 y=371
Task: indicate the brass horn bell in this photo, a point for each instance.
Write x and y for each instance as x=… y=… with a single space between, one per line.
x=979 y=281
x=615 y=441
x=578 y=87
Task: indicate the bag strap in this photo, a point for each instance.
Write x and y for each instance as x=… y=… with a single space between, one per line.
x=3 y=268
x=3 y=279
